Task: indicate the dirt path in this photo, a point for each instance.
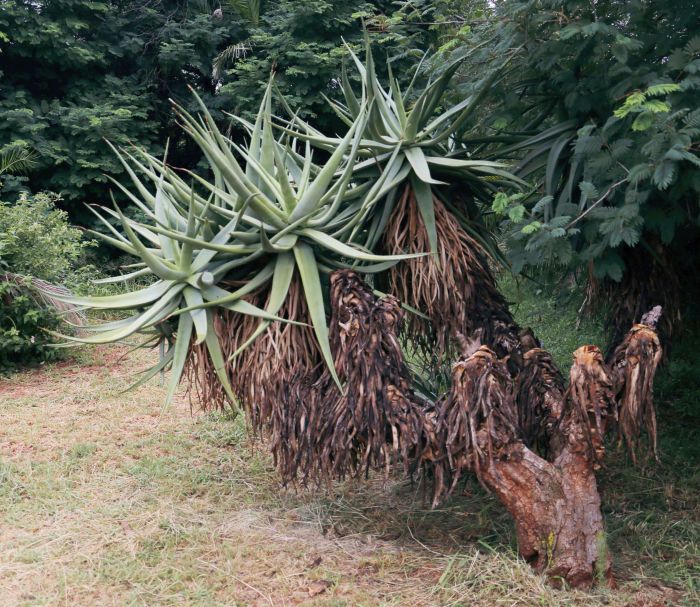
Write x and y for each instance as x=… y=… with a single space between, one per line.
x=105 y=499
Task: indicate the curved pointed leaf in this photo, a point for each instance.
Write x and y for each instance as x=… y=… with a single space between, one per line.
x=311 y=281
x=420 y=165
x=180 y=350
x=348 y=251
x=282 y=278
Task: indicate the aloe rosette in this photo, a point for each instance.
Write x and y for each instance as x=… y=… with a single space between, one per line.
x=268 y=212
x=407 y=138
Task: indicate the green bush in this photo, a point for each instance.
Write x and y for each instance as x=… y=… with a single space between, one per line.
x=36 y=243
x=677 y=387
x=37 y=240
x=24 y=319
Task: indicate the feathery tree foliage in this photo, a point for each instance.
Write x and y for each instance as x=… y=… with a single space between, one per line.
x=601 y=111
x=75 y=72
x=302 y=43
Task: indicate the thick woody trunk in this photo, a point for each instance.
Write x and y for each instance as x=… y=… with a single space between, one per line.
x=552 y=496
x=537 y=444
x=556 y=510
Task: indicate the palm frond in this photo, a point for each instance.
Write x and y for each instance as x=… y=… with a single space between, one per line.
x=17 y=160
x=228 y=55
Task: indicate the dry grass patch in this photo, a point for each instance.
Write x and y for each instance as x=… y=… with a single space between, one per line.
x=105 y=499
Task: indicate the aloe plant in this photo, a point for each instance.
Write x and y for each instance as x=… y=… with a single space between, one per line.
x=269 y=211
x=409 y=140
x=264 y=227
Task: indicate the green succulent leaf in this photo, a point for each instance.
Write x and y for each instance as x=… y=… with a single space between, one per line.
x=424 y=199
x=281 y=280
x=311 y=281
x=180 y=350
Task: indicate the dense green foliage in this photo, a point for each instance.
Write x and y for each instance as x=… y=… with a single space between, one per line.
x=613 y=87
x=24 y=320
x=36 y=244
x=75 y=72
x=37 y=240
x=302 y=42
x=602 y=109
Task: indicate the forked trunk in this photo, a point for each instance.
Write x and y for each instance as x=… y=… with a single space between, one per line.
x=556 y=510
x=509 y=416
x=554 y=501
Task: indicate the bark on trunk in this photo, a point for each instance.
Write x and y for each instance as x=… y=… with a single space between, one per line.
x=554 y=502
x=556 y=509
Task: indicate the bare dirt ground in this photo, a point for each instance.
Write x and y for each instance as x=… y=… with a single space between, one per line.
x=106 y=499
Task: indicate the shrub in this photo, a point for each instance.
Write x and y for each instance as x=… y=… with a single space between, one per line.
x=36 y=244
x=24 y=319
x=37 y=240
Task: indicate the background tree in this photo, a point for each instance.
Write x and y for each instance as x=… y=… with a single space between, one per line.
x=75 y=72
x=302 y=42
x=601 y=107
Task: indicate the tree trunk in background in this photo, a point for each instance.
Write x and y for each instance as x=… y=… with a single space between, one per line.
x=651 y=277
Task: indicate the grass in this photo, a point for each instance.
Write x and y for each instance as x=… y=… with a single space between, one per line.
x=553 y=314
x=105 y=499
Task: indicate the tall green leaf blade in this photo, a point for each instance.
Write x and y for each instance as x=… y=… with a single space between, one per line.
x=180 y=350
x=311 y=281
x=281 y=280
x=166 y=244
x=309 y=199
x=116 y=243
x=122 y=277
x=553 y=163
x=397 y=98
x=204 y=245
x=195 y=303
x=217 y=357
x=159 y=267
x=158 y=311
x=424 y=199
x=345 y=250
x=288 y=198
x=123 y=301
x=350 y=98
